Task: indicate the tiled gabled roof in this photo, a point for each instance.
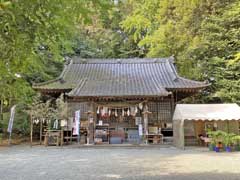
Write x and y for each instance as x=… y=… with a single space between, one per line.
x=120 y=77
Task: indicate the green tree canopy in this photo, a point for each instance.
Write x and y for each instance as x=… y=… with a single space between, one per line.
x=34 y=36
x=202 y=35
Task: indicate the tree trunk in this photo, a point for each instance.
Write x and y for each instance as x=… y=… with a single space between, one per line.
x=1 y=110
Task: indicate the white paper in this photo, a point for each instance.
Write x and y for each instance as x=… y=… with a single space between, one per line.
x=77 y=123
x=140 y=130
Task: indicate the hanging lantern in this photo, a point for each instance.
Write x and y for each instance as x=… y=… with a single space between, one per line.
x=140 y=106
x=109 y=112
x=98 y=110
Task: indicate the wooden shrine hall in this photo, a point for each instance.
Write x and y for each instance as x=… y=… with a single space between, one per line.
x=120 y=100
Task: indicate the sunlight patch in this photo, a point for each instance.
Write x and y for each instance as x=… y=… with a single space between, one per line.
x=116 y=176
x=78 y=160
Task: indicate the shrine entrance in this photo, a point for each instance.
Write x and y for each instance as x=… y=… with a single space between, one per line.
x=119 y=124
x=130 y=123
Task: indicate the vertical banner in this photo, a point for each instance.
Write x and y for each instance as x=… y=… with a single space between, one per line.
x=77 y=123
x=10 y=123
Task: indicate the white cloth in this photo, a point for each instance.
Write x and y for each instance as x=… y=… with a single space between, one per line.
x=55 y=124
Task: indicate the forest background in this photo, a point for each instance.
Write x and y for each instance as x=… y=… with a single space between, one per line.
x=38 y=36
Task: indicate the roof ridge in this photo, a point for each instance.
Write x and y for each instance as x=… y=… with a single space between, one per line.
x=173 y=70
x=80 y=84
x=78 y=60
x=66 y=65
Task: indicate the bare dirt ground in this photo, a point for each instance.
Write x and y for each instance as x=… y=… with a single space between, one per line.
x=70 y=163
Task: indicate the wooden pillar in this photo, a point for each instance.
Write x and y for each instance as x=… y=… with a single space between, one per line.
x=1 y=110
x=90 y=129
x=145 y=122
x=61 y=134
x=31 y=130
x=41 y=127
x=1 y=118
x=172 y=105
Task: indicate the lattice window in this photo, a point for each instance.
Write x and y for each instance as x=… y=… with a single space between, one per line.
x=161 y=112
x=164 y=111
x=83 y=107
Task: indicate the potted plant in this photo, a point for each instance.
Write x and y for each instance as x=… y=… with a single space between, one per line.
x=228 y=141
x=213 y=142
x=216 y=140
x=211 y=146
x=236 y=143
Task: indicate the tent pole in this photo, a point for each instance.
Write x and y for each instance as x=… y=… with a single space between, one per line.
x=182 y=134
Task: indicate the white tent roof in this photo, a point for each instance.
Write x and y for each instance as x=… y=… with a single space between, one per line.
x=207 y=112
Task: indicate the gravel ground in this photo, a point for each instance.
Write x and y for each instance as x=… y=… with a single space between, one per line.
x=70 y=163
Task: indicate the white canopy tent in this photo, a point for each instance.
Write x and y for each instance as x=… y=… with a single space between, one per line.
x=202 y=112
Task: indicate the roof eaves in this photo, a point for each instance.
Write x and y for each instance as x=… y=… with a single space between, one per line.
x=37 y=85
x=198 y=83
